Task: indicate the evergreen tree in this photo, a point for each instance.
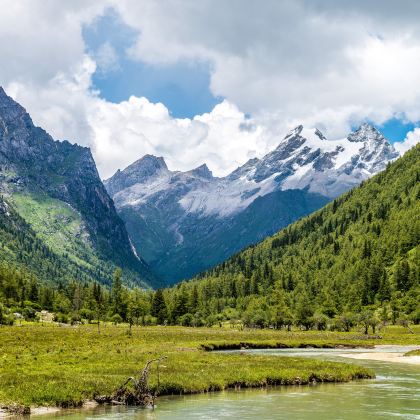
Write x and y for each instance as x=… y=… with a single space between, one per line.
x=402 y=275
x=181 y=304
x=304 y=311
x=116 y=294
x=159 y=309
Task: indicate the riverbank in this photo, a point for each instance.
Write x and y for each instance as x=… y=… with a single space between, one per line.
x=52 y=366
x=383 y=354
x=415 y=352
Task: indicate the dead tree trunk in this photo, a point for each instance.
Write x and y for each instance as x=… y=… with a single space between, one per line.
x=140 y=393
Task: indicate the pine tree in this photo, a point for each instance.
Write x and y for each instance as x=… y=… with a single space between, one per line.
x=181 y=305
x=402 y=275
x=116 y=294
x=159 y=309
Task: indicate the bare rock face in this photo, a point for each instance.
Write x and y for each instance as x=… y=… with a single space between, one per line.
x=138 y=172
x=32 y=161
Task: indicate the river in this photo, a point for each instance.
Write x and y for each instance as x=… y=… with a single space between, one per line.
x=395 y=393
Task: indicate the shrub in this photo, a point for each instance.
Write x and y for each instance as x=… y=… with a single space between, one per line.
x=5 y=319
x=186 y=320
x=320 y=321
x=116 y=319
x=76 y=318
x=29 y=313
x=62 y=318
x=415 y=317
x=87 y=314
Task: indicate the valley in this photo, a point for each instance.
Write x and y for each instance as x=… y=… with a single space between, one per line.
x=209 y=210
x=78 y=310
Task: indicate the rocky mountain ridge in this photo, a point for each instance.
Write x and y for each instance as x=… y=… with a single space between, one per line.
x=181 y=211
x=41 y=176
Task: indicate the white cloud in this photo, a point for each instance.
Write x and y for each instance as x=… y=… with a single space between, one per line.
x=412 y=138
x=299 y=59
x=125 y=131
x=106 y=58
x=60 y=105
x=121 y=133
x=39 y=39
x=321 y=63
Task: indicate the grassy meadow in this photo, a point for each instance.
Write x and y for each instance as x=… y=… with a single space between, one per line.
x=49 y=364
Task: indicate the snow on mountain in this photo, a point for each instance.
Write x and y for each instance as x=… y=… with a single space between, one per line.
x=186 y=222
x=305 y=159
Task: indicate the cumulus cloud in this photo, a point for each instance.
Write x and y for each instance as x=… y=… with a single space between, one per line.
x=412 y=138
x=125 y=131
x=299 y=59
x=321 y=63
x=60 y=105
x=121 y=133
x=40 y=39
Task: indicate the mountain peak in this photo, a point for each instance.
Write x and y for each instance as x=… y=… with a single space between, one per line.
x=367 y=126
x=301 y=131
x=138 y=172
x=6 y=100
x=202 y=171
x=320 y=134
x=365 y=132
x=148 y=164
x=12 y=112
x=295 y=132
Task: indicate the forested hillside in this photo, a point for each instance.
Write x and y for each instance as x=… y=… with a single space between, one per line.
x=354 y=262
x=359 y=252
x=30 y=271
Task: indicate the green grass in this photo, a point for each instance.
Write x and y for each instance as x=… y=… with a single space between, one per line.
x=58 y=224
x=413 y=353
x=56 y=365
x=53 y=365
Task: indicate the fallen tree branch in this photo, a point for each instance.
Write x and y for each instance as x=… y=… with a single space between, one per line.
x=140 y=393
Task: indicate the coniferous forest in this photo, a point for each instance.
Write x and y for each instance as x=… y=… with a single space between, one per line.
x=354 y=262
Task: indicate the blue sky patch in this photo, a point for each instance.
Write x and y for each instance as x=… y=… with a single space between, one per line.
x=183 y=87
x=396 y=129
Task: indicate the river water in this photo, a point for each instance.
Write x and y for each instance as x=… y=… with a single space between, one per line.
x=394 y=394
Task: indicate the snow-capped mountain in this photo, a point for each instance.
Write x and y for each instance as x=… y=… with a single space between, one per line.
x=189 y=221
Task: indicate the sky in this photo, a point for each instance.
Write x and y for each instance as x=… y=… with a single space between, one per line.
x=210 y=81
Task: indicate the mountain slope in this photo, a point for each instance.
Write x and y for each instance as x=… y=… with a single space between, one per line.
x=362 y=250
x=23 y=250
x=202 y=242
x=56 y=188
x=186 y=222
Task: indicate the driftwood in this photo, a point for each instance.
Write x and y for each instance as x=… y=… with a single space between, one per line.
x=139 y=393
